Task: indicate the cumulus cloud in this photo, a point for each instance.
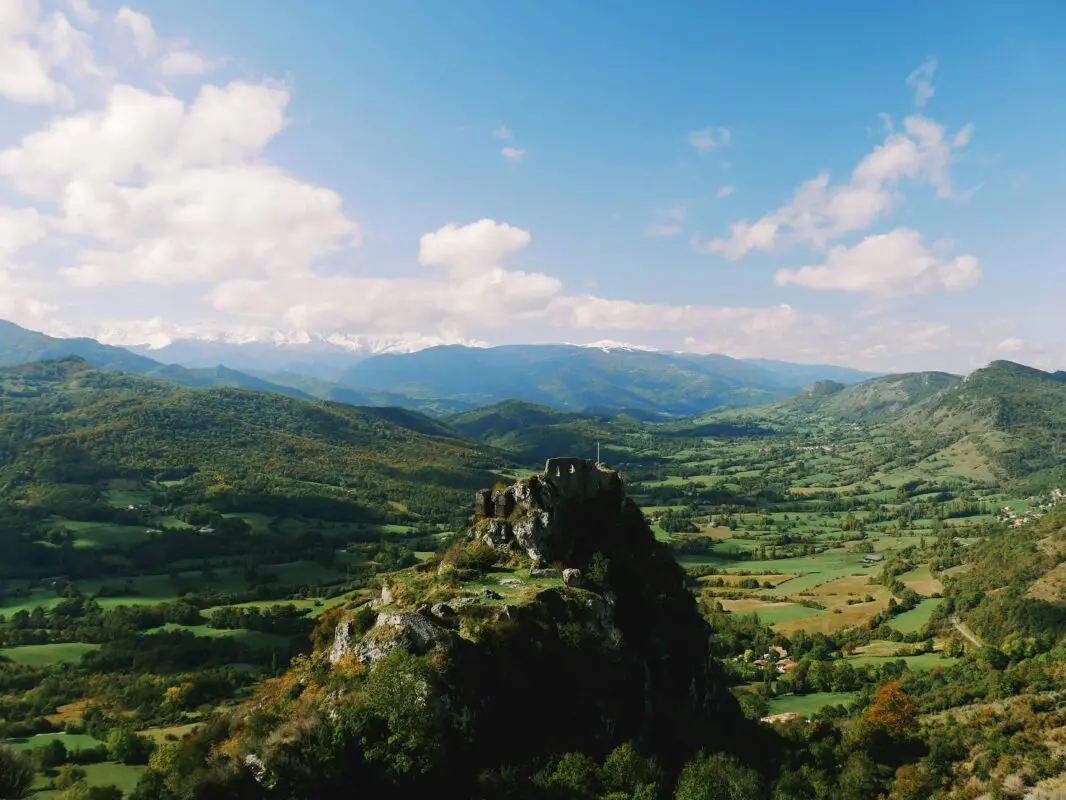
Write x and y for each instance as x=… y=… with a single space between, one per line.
x=185 y=62
x=82 y=11
x=589 y=311
x=888 y=265
x=167 y=192
x=725 y=191
x=174 y=186
x=709 y=138
x=171 y=55
x=470 y=249
x=31 y=48
x=921 y=80
x=19 y=228
x=820 y=212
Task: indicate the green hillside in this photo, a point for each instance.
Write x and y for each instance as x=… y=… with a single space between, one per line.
x=65 y=423
x=874 y=401
x=1013 y=416
x=533 y=433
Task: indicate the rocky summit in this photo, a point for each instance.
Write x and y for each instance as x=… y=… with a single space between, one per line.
x=558 y=623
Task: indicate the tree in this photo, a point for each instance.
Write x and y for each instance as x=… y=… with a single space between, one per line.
x=69 y=776
x=16 y=773
x=126 y=746
x=718 y=777
x=893 y=710
x=51 y=755
x=626 y=771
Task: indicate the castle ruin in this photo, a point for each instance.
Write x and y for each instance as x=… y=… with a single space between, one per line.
x=572 y=479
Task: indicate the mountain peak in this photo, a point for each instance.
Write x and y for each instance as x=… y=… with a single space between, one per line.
x=824 y=388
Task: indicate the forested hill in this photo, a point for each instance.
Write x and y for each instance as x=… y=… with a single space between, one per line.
x=874 y=401
x=65 y=424
x=1014 y=416
x=533 y=433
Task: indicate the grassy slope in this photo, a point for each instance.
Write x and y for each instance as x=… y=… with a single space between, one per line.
x=1010 y=416
x=67 y=420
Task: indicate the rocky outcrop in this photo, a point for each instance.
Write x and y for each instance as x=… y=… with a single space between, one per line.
x=532 y=514
x=572 y=578
x=615 y=651
x=392 y=630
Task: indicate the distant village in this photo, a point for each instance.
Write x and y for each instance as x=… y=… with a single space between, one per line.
x=1041 y=506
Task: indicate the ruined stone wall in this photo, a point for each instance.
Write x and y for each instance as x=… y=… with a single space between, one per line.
x=579 y=478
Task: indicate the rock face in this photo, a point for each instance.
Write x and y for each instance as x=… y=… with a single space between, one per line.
x=619 y=648
x=572 y=577
x=532 y=514
x=391 y=630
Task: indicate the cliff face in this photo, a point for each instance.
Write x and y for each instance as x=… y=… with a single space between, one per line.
x=498 y=660
x=619 y=650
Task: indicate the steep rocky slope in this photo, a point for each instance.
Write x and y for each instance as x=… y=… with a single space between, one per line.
x=559 y=625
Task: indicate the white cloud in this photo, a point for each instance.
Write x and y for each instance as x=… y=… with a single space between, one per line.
x=19 y=228
x=588 y=311
x=172 y=56
x=20 y=292
x=663 y=230
x=173 y=193
x=921 y=80
x=154 y=186
x=819 y=212
x=25 y=69
x=888 y=265
x=1013 y=345
x=82 y=11
x=513 y=153
x=709 y=138
x=469 y=249
x=205 y=225
x=336 y=304
x=725 y=191
x=69 y=47
x=185 y=62
x=140 y=30
x=157 y=332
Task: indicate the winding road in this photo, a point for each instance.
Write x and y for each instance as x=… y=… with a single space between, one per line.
x=967 y=634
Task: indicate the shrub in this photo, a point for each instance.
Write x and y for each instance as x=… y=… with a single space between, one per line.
x=16 y=773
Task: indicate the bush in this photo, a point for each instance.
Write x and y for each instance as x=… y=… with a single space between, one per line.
x=69 y=776
x=127 y=747
x=718 y=777
x=16 y=773
x=472 y=555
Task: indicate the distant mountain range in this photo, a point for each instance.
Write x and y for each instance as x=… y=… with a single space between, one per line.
x=454 y=378
x=21 y=346
x=646 y=384
x=1005 y=422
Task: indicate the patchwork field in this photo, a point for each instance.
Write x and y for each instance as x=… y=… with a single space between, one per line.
x=922 y=581
x=42 y=655
x=807 y=704
x=915 y=619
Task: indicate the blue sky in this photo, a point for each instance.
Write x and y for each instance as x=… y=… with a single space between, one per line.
x=876 y=185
